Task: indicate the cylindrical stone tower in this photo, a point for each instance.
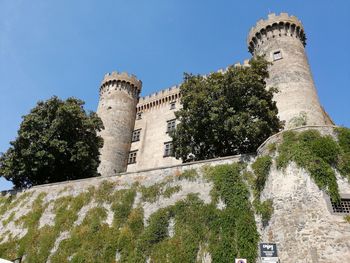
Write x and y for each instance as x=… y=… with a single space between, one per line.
x=282 y=40
x=119 y=94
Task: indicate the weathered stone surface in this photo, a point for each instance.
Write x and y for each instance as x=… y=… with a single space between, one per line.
x=301 y=225
x=119 y=94
x=290 y=74
x=290 y=71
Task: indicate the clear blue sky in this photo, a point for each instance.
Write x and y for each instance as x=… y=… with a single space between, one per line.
x=65 y=47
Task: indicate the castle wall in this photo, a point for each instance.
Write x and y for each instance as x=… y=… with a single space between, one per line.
x=302 y=225
x=290 y=73
x=155 y=111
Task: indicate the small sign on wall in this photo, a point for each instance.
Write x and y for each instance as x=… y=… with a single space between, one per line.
x=240 y=260
x=268 y=253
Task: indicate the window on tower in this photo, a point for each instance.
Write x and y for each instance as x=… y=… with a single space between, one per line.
x=277 y=55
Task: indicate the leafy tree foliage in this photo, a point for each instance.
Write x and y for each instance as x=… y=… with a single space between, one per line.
x=225 y=113
x=57 y=141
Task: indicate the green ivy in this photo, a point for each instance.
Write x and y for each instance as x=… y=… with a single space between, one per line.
x=344 y=159
x=318 y=155
x=261 y=168
x=151 y=193
x=235 y=229
x=9 y=202
x=225 y=234
x=169 y=191
x=190 y=175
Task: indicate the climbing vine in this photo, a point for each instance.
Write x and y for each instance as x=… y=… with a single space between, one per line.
x=261 y=168
x=319 y=155
x=197 y=227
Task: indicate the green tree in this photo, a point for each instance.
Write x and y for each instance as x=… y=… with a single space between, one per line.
x=225 y=113
x=56 y=141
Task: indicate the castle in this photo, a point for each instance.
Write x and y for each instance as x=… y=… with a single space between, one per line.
x=205 y=211
x=136 y=135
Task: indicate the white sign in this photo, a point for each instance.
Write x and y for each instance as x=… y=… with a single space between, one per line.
x=240 y=260
x=269 y=260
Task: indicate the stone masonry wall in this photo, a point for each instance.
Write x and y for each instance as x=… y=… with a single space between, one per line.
x=281 y=39
x=155 y=111
x=301 y=225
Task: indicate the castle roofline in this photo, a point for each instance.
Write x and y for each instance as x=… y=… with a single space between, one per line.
x=176 y=88
x=123 y=77
x=271 y=20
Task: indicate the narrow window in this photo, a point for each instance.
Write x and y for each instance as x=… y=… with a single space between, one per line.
x=168 y=149
x=172 y=105
x=136 y=135
x=139 y=116
x=132 y=157
x=277 y=55
x=171 y=125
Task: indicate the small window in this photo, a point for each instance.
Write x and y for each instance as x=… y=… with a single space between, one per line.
x=343 y=207
x=132 y=157
x=139 y=116
x=171 y=125
x=168 y=149
x=136 y=135
x=172 y=105
x=277 y=55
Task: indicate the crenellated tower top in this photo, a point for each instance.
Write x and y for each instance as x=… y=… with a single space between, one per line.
x=122 y=77
x=275 y=26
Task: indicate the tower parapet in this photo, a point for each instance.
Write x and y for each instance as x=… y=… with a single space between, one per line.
x=281 y=39
x=121 y=80
x=275 y=26
x=119 y=94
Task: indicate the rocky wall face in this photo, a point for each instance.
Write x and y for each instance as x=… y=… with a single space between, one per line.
x=301 y=225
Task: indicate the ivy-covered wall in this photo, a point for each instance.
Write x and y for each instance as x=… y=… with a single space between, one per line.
x=309 y=167
x=199 y=214
x=211 y=211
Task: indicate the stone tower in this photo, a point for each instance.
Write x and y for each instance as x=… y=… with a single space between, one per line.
x=282 y=40
x=119 y=94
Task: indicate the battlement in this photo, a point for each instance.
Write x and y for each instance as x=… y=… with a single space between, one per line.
x=155 y=99
x=173 y=93
x=160 y=94
x=122 y=77
x=276 y=25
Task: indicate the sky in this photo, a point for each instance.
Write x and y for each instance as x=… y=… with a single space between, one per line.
x=65 y=47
